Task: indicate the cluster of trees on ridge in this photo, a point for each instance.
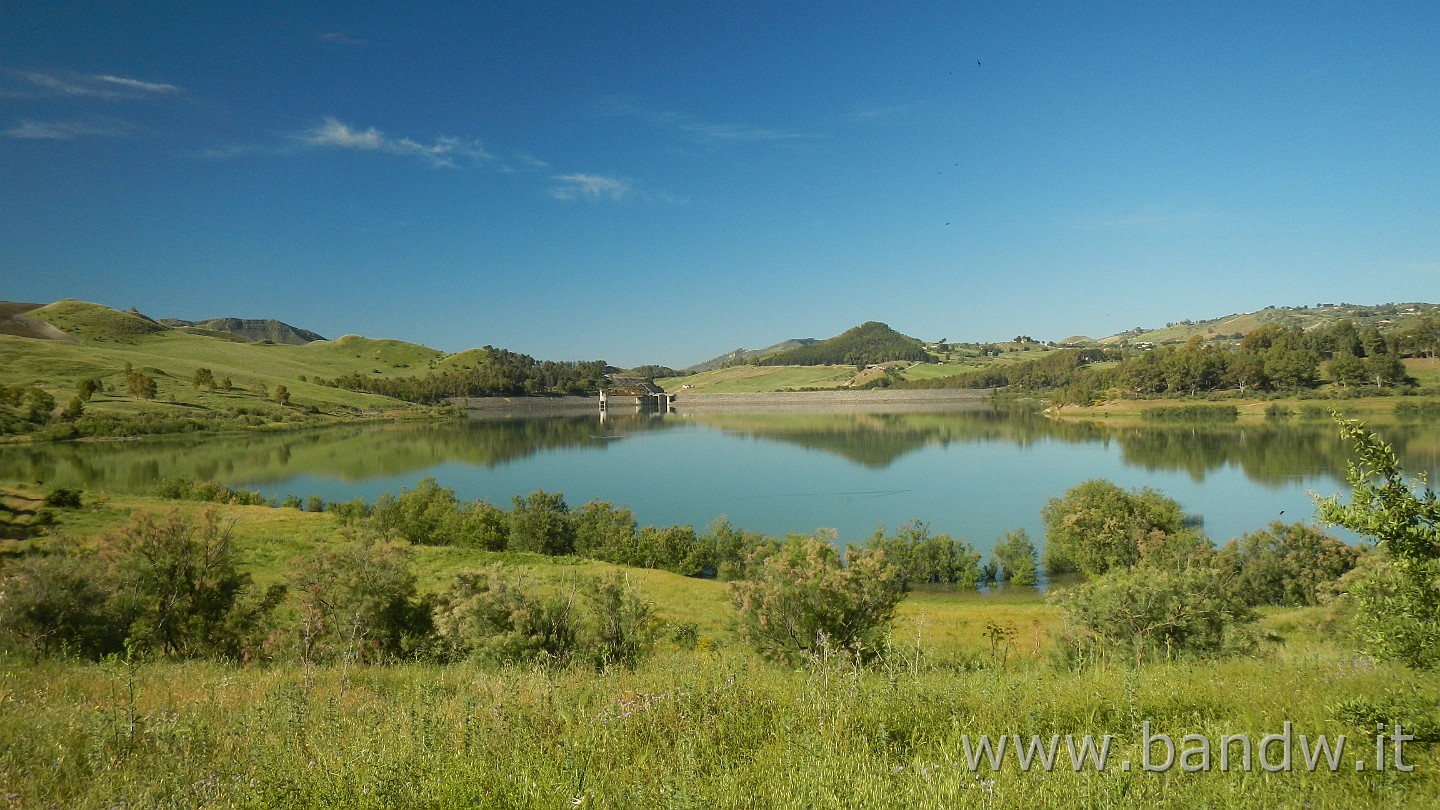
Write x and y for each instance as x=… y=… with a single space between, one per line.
x=499 y=373
x=1155 y=586
x=1270 y=358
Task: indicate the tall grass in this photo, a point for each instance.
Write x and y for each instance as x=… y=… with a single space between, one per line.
x=700 y=729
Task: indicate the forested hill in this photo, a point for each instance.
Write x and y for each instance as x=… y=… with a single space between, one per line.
x=866 y=344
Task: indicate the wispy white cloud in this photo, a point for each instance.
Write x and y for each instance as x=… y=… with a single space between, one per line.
x=102 y=86
x=137 y=85
x=697 y=129
x=589 y=187
x=333 y=133
x=442 y=152
x=67 y=130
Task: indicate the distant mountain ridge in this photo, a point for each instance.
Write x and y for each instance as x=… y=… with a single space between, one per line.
x=742 y=355
x=251 y=329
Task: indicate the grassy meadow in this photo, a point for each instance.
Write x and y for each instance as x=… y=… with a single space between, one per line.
x=704 y=722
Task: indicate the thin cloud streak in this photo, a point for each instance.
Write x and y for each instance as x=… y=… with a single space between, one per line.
x=136 y=84
x=589 y=186
x=31 y=130
x=442 y=153
x=696 y=129
x=104 y=86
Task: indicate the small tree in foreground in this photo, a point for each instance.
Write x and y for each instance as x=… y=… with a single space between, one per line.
x=357 y=602
x=799 y=598
x=1398 y=603
x=186 y=591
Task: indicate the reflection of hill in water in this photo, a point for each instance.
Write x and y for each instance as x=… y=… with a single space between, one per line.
x=1271 y=454
x=876 y=440
x=349 y=453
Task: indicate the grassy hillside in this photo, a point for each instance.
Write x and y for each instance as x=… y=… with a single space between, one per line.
x=1380 y=316
x=102 y=343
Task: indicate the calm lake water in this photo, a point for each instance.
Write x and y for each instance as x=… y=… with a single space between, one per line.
x=973 y=473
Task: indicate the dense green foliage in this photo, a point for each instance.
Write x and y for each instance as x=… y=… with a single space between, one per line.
x=869 y=343
x=1096 y=526
x=1049 y=371
x=800 y=604
x=172 y=585
x=1398 y=601
x=928 y=558
x=1270 y=358
x=1285 y=564
x=577 y=690
x=1191 y=413
x=497 y=373
x=1016 y=560
x=1147 y=613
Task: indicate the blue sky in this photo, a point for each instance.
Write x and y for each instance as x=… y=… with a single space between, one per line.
x=663 y=182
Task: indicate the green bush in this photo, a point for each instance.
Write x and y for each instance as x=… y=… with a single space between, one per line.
x=799 y=602
x=623 y=624
x=479 y=524
x=425 y=514
x=1146 y=614
x=541 y=523
x=180 y=488
x=930 y=558
x=63 y=498
x=496 y=616
x=1096 y=526
x=1398 y=600
x=1286 y=564
x=1015 y=557
x=357 y=602
x=1413 y=410
x=63 y=602
x=604 y=531
x=1191 y=413
x=185 y=591
x=171 y=585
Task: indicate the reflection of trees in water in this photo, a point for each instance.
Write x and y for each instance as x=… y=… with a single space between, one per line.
x=351 y=453
x=876 y=440
x=1271 y=454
